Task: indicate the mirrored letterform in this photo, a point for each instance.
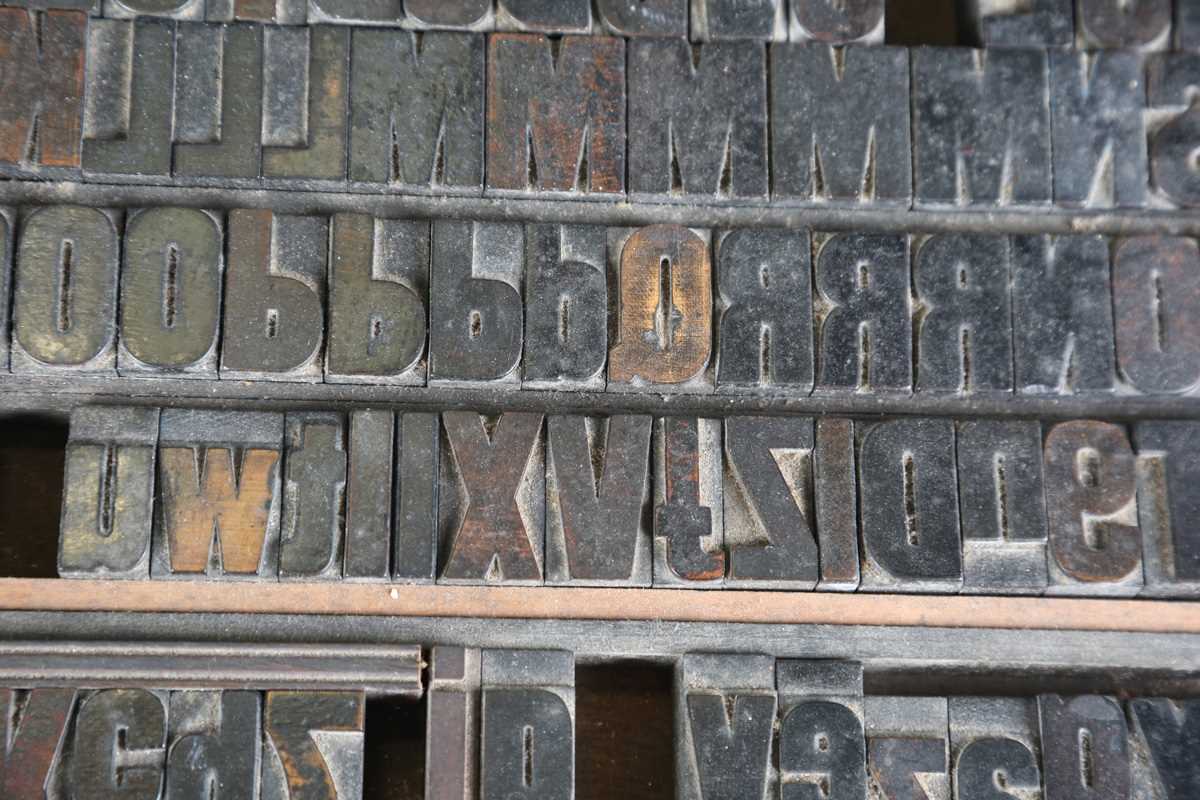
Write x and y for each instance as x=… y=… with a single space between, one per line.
x=738 y=19
x=118 y=750
x=313 y=745
x=1166 y=734
x=1084 y=748
x=1124 y=24
x=994 y=747
x=644 y=18
x=689 y=532
x=415 y=498
x=1170 y=85
x=312 y=537
x=840 y=23
x=35 y=727
x=215 y=745
x=1033 y=23
x=1169 y=505
x=907 y=748
x=822 y=749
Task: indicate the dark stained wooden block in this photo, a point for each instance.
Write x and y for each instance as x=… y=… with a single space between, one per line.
x=544 y=16
x=1124 y=24
x=164 y=9
x=688 y=508
x=312 y=535
x=838 y=23
x=907 y=737
x=295 y=765
x=643 y=17
x=369 y=480
x=452 y=731
x=415 y=497
x=1169 y=81
x=7 y=240
x=1169 y=506
x=35 y=728
x=119 y=746
x=835 y=485
x=994 y=746
x=822 y=749
x=472 y=15
x=763 y=20
x=1165 y=733
x=1037 y=23
x=356 y=12
x=214 y=742
x=1085 y=753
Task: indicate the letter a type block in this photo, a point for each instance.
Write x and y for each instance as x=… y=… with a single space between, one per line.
x=822 y=747
x=313 y=745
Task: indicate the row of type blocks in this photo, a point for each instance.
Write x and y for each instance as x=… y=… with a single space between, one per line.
x=907 y=505
x=186 y=293
x=654 y=119
x=501 y=725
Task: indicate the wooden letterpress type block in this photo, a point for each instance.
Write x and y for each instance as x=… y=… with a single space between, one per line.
x=65 y=292
x=306 y=77
x=764 y=20
x=909 y=507
x=416 y=113
x=847 y=22
x=724 y=721
x=476 y=317
x=7 y=239
x=282 y=12
x=1156 y=302
x=1062 y=312
x=644 y=18
x=660 y=333
x=378 y=288
x=598 y=500
x=214 y=745
x=544 y=16
x=218 y=101
x=765 y=333
x=964 y=325
x=463 y=15
x=907 y=748
x=1098 y=133
x=835 y=483
x=840 y=124
x=1123 y=24
x=1085 y=752
x=528 y=725
x=219 y=478
x=981 y=127
x=1165 y=735
x=91 y=7
x=312 y=536
x=566 y=306
x=35 y=727
x=769 y=507
x=697 y=120
x=418 y=449
x=1187 y=26
x=274 y=315
x=313 y=745
x=1002 y=506
x=130 y=99
x=556 y=114
x=356 y=12
x=108 y=493
x=452 y=726
x=822 y=748
x=491 y=496
x=369 y=480
x=1091 y=510
x=864 y=315
x=41 y=91
x=171 y=278
x=1174 y=127
x=689 y=535
x=1036 y=23
x=1169 y=514
x=167 y=9
x=994 y=746
x=119 y=746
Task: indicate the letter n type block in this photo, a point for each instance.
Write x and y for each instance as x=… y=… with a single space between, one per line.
x=661 y=331
x=598 y=500
x=65 y=292
x=724 y=724
x=840 y=127
x=119 y=746
x=214 y=741
x=556 y=115
x=698 y=120
x=994 y=746
x=1095 y=545
x=527 y=748
x=1165 y=735
x=566 y=307
x=171 y=280
x=108 y=493
x=35 y=729
x=130 y=103
x=1156 y=302
x=864 y=314
x=1169 y=506
x=1002 y=506
x=907 y=749
x=1171 y=81
x=1063 y=313
x=274 y=297
x=1035 y=23
x=765 y=336
x=452 y=730
x=981 y=127
x=491 y=495
x=313 y=745
x=219 y=495
x=689 y=534
x=769 y=509
x=312 y=538
x=476 y=314
x=378 y=289
x=840 y=23
x=909 y=507
x=822 y=746
x=1085 y=748
x=1124 y=25
x=41 y=91
x=416 y=110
